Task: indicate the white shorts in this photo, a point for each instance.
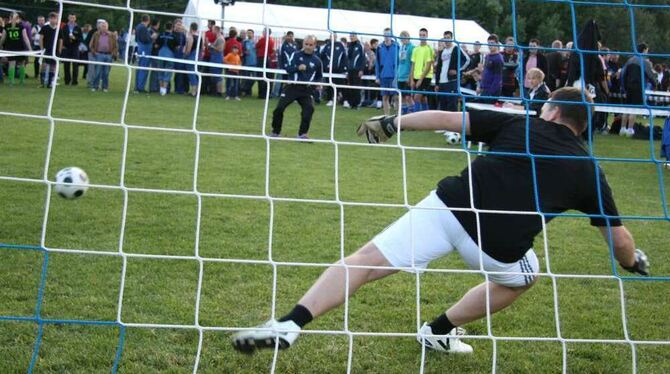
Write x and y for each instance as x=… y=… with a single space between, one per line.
x=429 y=231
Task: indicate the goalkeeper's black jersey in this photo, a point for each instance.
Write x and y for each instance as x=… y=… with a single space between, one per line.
x=508 y=182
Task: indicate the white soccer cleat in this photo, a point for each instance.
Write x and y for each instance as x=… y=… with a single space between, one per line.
x=329 y=103
x=630 y=132
x=346 y=104
x=623 y=131
x=450 y=343
x=266 y=335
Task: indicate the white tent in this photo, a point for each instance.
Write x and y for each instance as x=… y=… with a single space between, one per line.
x=303 y=21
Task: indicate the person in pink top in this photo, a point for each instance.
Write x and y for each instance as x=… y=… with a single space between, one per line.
x=533 y=59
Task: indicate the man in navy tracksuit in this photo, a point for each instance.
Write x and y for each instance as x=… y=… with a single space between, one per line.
x=339 y=64
x=386 y=66
x=287 y=51
x=305 y=67
x=355 y=66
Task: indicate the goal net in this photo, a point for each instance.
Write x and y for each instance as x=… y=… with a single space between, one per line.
x=198 y=223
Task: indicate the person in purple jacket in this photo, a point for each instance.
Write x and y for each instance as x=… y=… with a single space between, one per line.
x=491 y=83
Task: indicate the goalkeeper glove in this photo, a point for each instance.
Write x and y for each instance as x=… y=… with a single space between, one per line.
x=641 y=265
x=378 y=129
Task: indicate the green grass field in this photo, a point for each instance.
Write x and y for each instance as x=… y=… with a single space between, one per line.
x=163 y=291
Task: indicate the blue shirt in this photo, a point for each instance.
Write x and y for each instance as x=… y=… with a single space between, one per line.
x=249 y=52
x=405 y=61
x=313 y=72
x=339 y=57
x=386 y=62
x=181 y=43
x=167 y=40
x=286 y=54
x=142 y=34
x=665 y=142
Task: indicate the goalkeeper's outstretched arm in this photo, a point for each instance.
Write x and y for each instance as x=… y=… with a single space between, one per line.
x=434 y=120
x=630 y=258
x=380 y=128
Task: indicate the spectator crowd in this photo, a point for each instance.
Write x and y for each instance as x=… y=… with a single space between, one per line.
x=367 y=73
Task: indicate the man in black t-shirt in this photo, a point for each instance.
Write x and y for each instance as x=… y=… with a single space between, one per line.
x=490 y=213
x=49 y=44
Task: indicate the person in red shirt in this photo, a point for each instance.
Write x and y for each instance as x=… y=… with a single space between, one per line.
x=208 y=82
x=231 y=41
x=264 y=58
x=210 y=36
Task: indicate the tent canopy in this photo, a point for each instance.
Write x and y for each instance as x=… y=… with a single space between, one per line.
x=303 y=21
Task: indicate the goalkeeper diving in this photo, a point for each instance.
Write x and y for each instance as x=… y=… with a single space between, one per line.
x=509 y=190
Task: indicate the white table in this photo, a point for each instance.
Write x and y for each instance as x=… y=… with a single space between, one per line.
x=636 y=111
x=657 y=93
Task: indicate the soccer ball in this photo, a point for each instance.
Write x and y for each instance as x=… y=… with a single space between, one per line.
x=452 y=137
x=71 y=183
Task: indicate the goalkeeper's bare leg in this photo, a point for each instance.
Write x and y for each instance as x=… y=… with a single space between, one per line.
x=367 y=265
x=328 y=292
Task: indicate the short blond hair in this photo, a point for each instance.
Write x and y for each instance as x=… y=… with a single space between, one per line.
x=535 y=73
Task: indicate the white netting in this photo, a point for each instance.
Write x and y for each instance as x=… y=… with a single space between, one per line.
x=267 y=196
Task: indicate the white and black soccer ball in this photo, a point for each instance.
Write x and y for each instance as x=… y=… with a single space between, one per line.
x=71 y=182
x=452 y=137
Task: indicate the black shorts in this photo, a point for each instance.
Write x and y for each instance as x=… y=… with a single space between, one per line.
x=425 y=85
x=404 y=86
x=634 y=97
x=18 y=59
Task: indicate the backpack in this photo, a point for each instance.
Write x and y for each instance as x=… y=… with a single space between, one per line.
x=642 y=132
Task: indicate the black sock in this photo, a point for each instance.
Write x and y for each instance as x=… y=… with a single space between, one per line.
x=441 y=325
x=300 y=315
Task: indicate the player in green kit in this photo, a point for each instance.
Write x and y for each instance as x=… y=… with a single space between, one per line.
x=15 y=39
